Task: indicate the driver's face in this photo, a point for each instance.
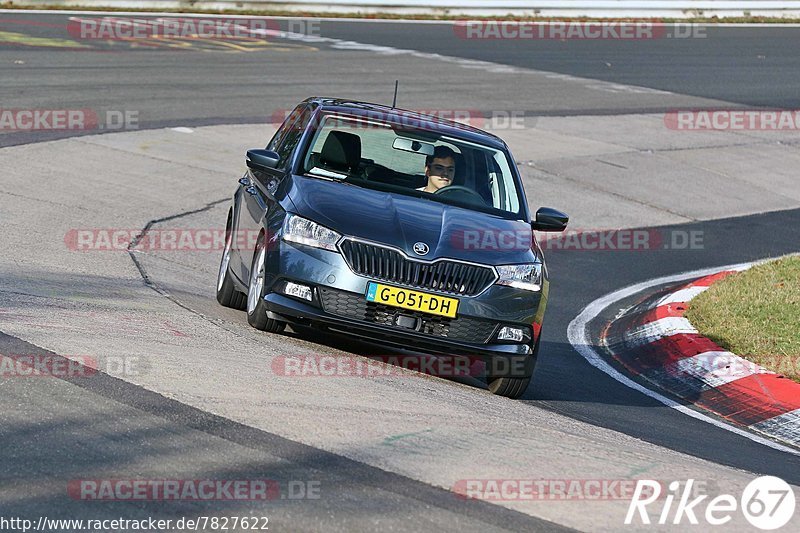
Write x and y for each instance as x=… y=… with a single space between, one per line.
x=440 y=173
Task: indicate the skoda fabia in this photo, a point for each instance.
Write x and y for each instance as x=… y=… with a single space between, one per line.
x=394 y=227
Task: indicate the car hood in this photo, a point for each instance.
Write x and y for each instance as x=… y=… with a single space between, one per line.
x=401 y=221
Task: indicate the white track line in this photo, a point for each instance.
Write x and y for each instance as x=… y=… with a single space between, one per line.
x=578 y=335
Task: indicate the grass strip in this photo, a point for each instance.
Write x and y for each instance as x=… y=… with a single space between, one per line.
x=756 y=315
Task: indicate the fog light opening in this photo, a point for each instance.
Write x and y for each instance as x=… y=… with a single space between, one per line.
x=513 y=334
x=298 y=290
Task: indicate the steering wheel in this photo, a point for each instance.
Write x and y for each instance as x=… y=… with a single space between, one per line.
x=460 y=192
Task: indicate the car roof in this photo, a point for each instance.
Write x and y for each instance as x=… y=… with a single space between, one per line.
x=406 y=116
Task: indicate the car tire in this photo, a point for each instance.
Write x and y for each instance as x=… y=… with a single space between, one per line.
x=256 y=307
x=514 y=387
x=509 y=387
x=227 y=294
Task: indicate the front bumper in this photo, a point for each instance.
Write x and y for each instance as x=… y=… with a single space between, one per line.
x=471 y=333
x=512 y=359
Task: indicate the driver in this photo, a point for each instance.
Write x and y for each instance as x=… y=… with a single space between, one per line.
x=440 y=169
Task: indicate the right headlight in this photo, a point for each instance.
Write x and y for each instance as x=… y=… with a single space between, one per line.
x=303 y=231
x=526 y=277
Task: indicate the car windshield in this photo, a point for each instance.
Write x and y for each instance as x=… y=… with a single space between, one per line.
x=375 y=154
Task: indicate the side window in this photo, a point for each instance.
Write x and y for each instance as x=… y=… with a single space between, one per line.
x=504 y=193
x=280 y=135
x=291 y=134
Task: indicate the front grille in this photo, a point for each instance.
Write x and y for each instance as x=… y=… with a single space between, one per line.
x=355 y=306
x=446 y=276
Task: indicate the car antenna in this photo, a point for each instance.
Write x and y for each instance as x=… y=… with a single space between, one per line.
x=394 y=102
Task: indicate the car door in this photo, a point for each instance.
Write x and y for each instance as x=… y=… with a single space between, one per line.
x=259 y=186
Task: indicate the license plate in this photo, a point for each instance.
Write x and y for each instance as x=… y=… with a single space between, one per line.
x=414 y=300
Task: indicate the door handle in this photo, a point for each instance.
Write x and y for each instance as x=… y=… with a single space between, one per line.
x=250 y=190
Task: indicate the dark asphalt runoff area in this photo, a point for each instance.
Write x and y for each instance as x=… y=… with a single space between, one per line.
x=754 y=67
x=744 y=67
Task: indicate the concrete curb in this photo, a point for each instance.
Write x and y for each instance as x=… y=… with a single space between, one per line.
x=654 y=341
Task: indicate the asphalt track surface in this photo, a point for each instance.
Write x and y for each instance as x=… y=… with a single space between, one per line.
x=731 y=67
x=739 y=67
x=732 y=64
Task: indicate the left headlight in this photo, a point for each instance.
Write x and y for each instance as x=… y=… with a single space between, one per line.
x=527 y=277
x=303 y=231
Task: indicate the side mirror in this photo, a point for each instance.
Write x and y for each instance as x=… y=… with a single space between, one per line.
x=549 y=219
x=259 y=159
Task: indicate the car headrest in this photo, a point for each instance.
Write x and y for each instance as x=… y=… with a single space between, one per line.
x=341 y=151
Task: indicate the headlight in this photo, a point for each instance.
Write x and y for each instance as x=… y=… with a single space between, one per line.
x=303 y=231
x=527 y=277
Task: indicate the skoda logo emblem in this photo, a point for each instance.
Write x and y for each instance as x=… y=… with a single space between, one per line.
x=420 y=248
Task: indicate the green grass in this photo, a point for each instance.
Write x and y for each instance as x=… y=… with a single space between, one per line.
x=394 y=16
x=755 y=314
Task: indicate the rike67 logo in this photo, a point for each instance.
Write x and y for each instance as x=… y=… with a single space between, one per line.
x=767 y=503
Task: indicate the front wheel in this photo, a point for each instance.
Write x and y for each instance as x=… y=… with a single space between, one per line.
x=515 y=387
x=227 y=294
x=256 y=307
x=509 y=387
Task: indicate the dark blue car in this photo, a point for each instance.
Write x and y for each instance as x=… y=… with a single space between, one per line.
x=394 y=227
